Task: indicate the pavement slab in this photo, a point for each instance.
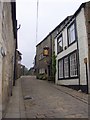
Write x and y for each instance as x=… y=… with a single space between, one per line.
x=15 y=108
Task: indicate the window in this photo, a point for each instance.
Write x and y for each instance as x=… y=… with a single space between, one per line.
x=66 y=67
x=41 y=56
x=71 y=34
x=73 y=65
x=41 y=71
x=60 y=69
x=59 y=44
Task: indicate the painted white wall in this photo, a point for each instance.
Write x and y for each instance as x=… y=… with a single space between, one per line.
x=70 y=49
x=83 y=45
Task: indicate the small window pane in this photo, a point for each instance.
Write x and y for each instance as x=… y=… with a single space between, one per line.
x=71 y=33
x=61 y=69
x=66 y=68
x=59 y=44
x=73 y=65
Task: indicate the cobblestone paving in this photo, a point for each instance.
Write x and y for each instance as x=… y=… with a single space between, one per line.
x=49 y=102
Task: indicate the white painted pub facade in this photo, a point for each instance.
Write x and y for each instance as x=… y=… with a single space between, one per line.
x=71 y=49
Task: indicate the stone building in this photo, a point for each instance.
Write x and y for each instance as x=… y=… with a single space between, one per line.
x=8 y=45
x=44 y=64
x=31 y=71
x=18 y=64
x=24 y=70
x=72 y=48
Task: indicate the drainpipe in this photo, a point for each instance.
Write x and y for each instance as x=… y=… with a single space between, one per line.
x=15 y=66
x=51 y=55
x=85 y=61
x=15 y=58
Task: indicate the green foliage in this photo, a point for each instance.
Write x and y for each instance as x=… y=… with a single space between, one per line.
x=53 y=64
x=42 y=76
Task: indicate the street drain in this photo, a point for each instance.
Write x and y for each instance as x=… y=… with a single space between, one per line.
x=27 y=97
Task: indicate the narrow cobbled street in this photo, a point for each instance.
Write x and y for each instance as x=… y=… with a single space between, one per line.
x=47 y=100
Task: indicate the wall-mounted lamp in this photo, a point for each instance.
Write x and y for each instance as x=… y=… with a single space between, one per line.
x=3 y=52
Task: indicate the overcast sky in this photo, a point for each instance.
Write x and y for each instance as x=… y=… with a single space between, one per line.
x=50 y=14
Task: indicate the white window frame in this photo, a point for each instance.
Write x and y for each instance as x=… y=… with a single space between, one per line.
x=66 y=67
x=59 y=42
x=73 y=65
x=60 y=69
x=71 y=33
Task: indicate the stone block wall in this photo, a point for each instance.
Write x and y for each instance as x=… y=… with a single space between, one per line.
x=7 y=46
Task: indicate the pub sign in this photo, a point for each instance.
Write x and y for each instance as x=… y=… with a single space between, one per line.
x=46 y=51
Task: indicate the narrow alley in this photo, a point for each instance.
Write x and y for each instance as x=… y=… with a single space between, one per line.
x=47 y=100
x=44 y=59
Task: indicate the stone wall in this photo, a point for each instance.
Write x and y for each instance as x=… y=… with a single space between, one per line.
x=42 y=62
x=7 y=46
x=0 y=61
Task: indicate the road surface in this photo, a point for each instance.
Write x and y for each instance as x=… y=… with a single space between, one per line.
x=46 y=101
